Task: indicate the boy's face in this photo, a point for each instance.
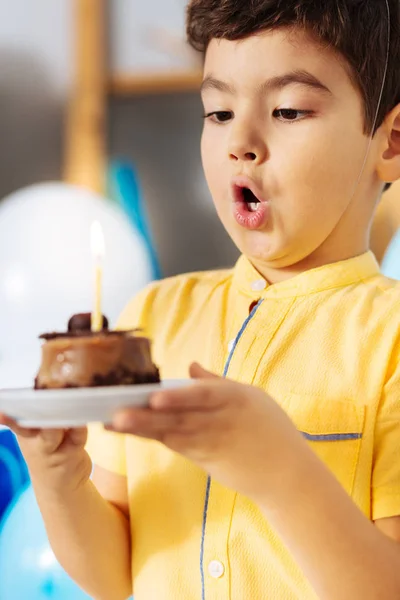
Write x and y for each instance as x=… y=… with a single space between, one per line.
x=289 y=126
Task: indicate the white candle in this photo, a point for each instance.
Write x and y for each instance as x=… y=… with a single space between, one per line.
x=98 y=253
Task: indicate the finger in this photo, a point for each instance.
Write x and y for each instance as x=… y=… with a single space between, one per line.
x=51 y=439
x=196 y=371
x=148 y=423
x=204 y=396
x=15 y=428
x=78 y=437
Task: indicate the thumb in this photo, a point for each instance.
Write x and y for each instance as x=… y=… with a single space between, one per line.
x=21 y=432
x=196 y=371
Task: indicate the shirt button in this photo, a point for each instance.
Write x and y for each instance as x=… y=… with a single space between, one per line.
x=259 y=285
x=216 y=569
x=231 y=345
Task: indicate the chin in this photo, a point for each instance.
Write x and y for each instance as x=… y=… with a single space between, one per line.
x=258 y=245
x=274 y=256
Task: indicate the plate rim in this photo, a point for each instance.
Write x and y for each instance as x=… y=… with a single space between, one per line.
x=44 y=416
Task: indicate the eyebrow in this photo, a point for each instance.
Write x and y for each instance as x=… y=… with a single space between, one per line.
x=299 y=77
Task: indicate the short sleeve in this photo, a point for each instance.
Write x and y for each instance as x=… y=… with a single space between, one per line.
x=386 y=462
x=107 y=449
x=137 y=311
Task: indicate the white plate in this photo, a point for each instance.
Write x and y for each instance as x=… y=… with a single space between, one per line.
x=76 y=407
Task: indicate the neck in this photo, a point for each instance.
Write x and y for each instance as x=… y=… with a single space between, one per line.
x=320 y=257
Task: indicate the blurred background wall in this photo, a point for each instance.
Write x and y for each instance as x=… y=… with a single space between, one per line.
x=160 y=133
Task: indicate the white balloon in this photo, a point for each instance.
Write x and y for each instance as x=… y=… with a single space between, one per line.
x=47 y=270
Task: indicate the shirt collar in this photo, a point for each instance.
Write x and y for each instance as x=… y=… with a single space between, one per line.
x=248 y=280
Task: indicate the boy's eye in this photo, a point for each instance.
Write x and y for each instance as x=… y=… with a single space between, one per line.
x=219 y=116
x=290 y=114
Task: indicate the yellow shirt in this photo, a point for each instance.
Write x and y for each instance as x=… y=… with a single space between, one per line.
x=325 y=345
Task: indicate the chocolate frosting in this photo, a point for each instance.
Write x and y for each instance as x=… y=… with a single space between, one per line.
x=82 y=358
x=83 y=322
x=80 y=325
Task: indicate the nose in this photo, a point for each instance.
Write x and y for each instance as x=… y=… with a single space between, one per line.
x=247 y=145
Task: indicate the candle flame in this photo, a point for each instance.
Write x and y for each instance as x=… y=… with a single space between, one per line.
x=97 y=241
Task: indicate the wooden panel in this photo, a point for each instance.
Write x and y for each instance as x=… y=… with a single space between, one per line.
x=155 y=83
x=85 y=144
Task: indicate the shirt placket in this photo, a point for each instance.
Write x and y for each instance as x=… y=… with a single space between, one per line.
x=256 y=337
x=249 y=344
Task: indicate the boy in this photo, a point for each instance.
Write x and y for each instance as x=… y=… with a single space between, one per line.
x=276 y=474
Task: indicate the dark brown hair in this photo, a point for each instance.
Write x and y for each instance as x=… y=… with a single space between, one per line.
x=356 y=29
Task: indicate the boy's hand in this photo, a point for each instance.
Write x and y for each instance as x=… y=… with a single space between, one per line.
x=56 y=458
x=235 y=432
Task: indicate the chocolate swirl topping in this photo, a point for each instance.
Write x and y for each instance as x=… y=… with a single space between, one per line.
x=79 y=325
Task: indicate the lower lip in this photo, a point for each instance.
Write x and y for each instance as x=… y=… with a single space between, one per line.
x=248 y=219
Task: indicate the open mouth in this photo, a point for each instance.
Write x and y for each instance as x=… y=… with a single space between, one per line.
x=251 y=209
x=251 y=201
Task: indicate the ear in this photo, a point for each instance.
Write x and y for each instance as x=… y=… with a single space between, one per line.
x=389 y=161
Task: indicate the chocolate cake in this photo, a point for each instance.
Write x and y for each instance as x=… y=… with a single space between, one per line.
x=82 y=358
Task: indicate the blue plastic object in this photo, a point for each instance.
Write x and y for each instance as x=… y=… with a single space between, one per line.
x=13 y=470
x=125 y=190
x=391 y=261
x=28 y=567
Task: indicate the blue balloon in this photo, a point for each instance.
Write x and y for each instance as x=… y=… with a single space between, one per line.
x=391 y=261
x=28 y=567
x=13 y=469
x=126 y=191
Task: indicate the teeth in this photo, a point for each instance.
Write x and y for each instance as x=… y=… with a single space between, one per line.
x=253 y=206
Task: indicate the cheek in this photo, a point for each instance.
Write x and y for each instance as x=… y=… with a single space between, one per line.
x=340 y=159
x=325 y=172
x=205 y=154
x=212 y=163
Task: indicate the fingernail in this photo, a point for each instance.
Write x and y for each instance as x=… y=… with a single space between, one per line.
x=157 y=400
x=122 y=421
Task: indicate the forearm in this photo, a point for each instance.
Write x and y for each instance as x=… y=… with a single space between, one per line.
x=340 y=551
x=91 y=540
